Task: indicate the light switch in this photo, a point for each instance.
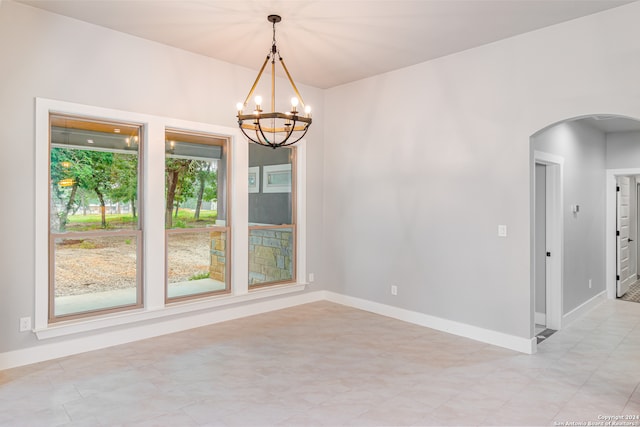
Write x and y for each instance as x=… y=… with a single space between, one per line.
x=502 y=231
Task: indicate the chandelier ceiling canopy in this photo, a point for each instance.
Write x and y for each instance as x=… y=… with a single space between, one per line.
x=274 y=129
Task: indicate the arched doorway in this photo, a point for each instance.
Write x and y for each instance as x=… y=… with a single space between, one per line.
x=573 y=163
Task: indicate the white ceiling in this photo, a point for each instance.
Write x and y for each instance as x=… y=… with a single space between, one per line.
x=326 y=43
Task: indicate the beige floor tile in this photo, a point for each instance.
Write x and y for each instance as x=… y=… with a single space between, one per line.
x=323 y=364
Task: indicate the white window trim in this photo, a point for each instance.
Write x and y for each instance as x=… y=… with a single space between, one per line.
x=153 y=222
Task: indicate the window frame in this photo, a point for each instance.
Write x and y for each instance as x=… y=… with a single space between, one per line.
x=179 y=315
x=136 y=232
x=226 y=147
x=292 y=188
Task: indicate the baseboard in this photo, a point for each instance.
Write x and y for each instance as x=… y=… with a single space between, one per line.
x=540 y=318
x=523 y=345
x=583 y=308
x=100 y=340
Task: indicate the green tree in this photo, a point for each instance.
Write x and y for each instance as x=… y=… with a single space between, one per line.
x=73 y=169
x=96 y=175
x=64 y=185
x=175 y=169
x=124 y=178
x=185 y=189
x=207 y=185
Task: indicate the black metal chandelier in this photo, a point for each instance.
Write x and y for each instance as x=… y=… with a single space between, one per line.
x=274 y=129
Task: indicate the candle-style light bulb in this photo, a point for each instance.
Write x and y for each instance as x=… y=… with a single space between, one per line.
x=258 y=100
x=307 y=110
x=239 y=107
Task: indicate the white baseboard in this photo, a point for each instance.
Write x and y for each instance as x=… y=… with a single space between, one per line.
x=100 y=340
x=104 y=339
x=583 y=308
x=523 y=345
x=540 y=318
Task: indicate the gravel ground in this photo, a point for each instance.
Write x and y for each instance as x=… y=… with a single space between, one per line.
x=108 y=263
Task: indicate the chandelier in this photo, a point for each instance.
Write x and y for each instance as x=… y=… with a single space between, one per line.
x=274 y=129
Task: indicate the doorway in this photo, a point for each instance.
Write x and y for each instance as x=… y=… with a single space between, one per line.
x=623 y=223
x=547 y=243
x=625 y=212
x=586 y=261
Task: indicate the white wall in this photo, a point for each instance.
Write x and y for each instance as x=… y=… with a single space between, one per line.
x=422 y=164
x=623 y=150
x=50 y=56
x=583 y=150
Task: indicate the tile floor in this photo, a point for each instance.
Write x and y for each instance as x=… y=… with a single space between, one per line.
x=325 y=364
x=633 y=294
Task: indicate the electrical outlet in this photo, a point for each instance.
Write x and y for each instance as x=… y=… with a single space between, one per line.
x=25 y=324
x=502 y=230
x=394 y=290
x=589 y=283
x=311 y=278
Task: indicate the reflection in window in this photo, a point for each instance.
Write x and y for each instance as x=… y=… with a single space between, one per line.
x=271 y=216
x=195 y=214
x=94 y=222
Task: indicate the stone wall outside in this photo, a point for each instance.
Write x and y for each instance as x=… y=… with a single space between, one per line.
x=270 y=255
x=217 y=269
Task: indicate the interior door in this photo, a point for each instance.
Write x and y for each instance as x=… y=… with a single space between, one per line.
x=624 y=276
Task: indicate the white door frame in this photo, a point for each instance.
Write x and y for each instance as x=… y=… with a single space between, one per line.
x=610 y=224
x=554 y=236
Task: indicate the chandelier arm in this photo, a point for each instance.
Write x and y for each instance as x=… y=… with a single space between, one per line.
x=248 y=137
x=264 y=137
x=297 y=139
x=255 y=84
x=283 y=143
x=293 y=85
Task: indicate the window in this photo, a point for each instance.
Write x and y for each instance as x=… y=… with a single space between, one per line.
x=94 y=217
x=196 y=207
x=106 y=255
x=272 y=230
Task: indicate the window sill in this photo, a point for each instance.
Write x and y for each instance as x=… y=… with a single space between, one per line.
x=134 y=316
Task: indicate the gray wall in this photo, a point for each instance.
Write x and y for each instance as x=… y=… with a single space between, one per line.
x=583 y=149
x=623 y=150
x=422 y=164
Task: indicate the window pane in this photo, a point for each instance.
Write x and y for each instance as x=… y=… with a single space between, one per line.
x=94 y=273
x=94 y=176
x=195 y=170
x=271 y=216
x=196 y=263
x=270 y=195
x=195 y=191
x=94 y=220
x=270 y=255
